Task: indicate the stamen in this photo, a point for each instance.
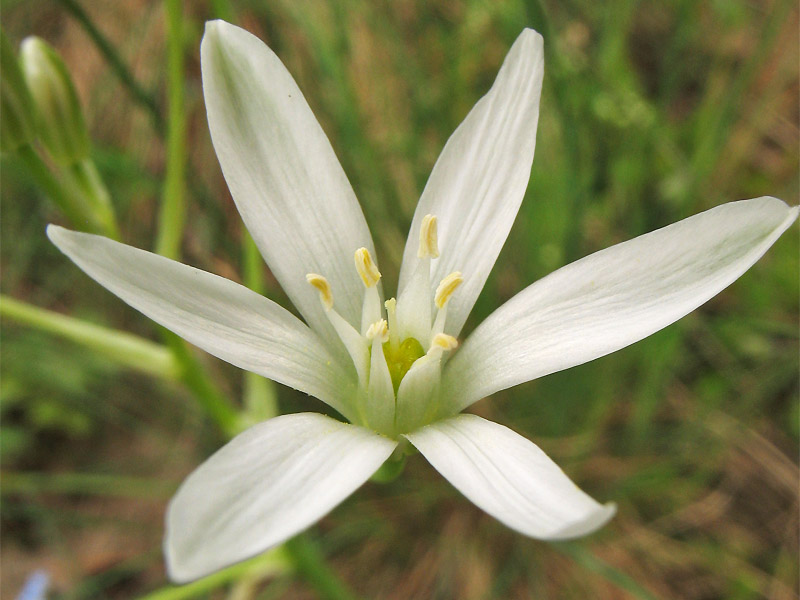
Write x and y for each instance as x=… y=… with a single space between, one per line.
x=428 y=238
x=324 y=288
x=378 y=331
x=366 y=268
x=447 y=286
x=444 y=342
x=355 y=345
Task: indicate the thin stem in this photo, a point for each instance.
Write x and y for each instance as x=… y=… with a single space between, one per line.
x=107 y=49
x=171 y=220
x=260 y=397
x=126 y=349
x=96 y=484
x=271 y=563
x=222 y=9
x=173 y=204
x=252 y=264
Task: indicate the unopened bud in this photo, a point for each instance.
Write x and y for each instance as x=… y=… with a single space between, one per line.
x=16 y=106
x=60 y=122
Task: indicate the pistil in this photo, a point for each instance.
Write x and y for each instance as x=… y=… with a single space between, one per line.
x=415 y=405
x=380 y=401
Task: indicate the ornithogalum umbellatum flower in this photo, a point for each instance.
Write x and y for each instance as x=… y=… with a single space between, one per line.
x=393 y=367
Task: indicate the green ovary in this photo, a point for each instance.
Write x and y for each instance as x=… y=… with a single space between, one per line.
x=400 y=359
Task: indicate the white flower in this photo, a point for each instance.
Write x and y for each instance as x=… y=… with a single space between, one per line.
x=391 y=368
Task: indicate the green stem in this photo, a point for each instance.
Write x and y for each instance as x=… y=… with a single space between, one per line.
x=271 y=563
x=222 y=9
x=171 y=220
x=260 y=396
x=86 y=483
x=173 y=205
x=260 y=400
x=252 y=264
x=124 y=348
x=309 y=562
x=118 y=66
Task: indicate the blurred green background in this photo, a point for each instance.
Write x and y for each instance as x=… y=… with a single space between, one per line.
x=652 y=111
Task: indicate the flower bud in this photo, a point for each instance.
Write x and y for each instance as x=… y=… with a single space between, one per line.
x=16 y=106
x=60 y=122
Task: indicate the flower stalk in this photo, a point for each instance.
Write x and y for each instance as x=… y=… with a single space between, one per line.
x=173 y=202
x=123 y=348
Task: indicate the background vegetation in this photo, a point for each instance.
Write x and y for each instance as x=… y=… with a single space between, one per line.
x=651 y=111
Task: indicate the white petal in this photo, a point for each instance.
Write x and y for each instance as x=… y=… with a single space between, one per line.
x=478 y=182
x=266 y=485
x=221 y=317
x=282 y=172
x=613 y=298
x=510 y=478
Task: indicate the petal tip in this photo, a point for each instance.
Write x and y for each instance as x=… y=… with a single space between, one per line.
x=175 y=572
x=181 y=568
x=532 y=37
x=587 y=524
x=216 y=26
x=215 y=32
x=57 y=234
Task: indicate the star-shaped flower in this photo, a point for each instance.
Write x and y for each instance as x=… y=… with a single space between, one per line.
x=392 y=368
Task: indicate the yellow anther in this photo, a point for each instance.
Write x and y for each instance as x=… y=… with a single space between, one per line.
x=378 y=331
x=323 y=287
x=428 y=239
x=366 y=268
x=447 y=286
x=444 y=341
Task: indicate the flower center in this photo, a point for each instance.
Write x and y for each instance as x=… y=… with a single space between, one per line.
x=401 y=358
x=397 y=358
